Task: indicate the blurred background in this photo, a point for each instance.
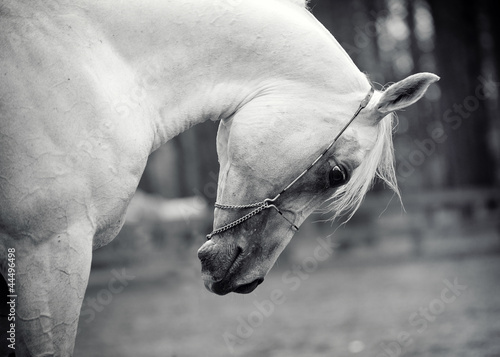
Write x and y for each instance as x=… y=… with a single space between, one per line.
x=418 y=281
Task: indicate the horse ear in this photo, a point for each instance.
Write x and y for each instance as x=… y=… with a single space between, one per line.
x=404 y=93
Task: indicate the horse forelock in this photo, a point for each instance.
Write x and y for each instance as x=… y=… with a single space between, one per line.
x=379 y=163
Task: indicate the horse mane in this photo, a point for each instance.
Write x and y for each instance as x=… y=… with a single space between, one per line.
x=379 y=163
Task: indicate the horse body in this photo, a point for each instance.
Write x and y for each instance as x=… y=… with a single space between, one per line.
x=89 y=90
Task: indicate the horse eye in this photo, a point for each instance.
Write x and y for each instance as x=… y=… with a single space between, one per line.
x=337 y=176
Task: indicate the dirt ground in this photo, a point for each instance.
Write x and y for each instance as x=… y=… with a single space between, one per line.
x=411 y=307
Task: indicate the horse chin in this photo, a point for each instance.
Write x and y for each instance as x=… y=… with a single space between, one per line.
x=224 y=287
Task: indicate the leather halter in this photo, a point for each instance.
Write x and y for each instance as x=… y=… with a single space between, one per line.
x=269 y=202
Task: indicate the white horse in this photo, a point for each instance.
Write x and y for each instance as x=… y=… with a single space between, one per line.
x=90 y=88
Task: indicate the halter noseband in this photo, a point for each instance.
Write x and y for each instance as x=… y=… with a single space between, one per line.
x=269 y=202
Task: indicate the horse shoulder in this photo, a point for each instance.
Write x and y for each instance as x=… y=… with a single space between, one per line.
x=73 y=138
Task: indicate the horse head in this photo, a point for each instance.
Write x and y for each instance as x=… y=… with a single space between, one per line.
x=268 y=145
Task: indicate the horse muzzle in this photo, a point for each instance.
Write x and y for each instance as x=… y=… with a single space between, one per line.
x=224 y=268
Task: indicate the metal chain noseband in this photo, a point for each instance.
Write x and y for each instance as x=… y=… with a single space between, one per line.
x=268 y=202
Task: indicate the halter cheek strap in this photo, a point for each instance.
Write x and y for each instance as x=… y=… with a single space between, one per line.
x=269 y=202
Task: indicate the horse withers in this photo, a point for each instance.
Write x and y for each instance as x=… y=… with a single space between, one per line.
x=89 y=89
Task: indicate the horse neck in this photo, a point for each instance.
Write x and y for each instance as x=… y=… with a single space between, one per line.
x=203 y=60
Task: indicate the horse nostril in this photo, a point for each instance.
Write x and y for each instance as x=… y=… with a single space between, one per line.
x=206 y=250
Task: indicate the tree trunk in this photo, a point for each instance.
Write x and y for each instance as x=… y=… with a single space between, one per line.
x=464 y=115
